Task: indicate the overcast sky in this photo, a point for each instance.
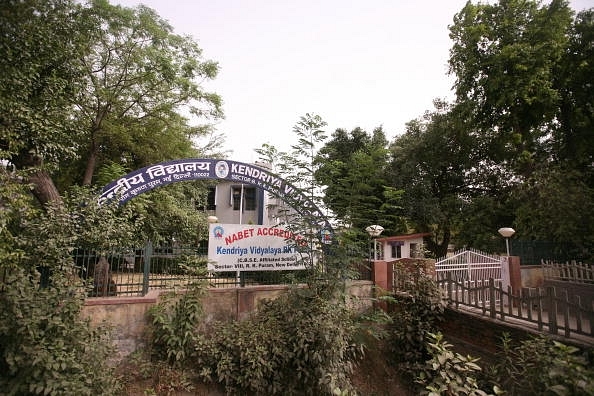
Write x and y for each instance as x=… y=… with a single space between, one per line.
x=355 y=63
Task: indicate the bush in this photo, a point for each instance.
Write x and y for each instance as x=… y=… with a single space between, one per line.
x=447 y=372
x=542 y=366
x=47 y=348
x=299 y=343
x=174 y=324
x=415 y=316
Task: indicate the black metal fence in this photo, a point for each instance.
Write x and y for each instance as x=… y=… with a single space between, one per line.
x=534 y=252
x=133 y=272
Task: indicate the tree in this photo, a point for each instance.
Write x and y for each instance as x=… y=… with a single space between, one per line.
x=139 y=78
x=352 y=168
x=573 y=141
x=328 y=263
x=86 y=85
x=40 y=73
x=430 y=162
x=47 y=346
x=556 y=204
x=523 y=72
x=505 y=58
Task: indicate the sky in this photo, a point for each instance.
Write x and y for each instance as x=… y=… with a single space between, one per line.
x=355 y=63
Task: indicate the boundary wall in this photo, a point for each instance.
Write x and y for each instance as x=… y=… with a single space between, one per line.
x=128 y=315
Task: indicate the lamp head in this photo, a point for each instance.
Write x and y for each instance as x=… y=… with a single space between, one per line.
x=374 y=230
x=506 y=232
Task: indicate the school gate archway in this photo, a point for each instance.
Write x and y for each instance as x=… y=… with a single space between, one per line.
x=161 y=174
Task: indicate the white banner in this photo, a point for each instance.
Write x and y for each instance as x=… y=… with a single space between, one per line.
x=245 y=247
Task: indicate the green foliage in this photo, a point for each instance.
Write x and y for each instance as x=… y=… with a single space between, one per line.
x=505 y=57
x=556 y=204
x=325 y=263
x=40 y=73
x=352 y=166
x=174 y=322
x=140 y=77
x=448 y=372
x=435 y=180
x=521 y=69
x=47 y=347
x=299 y=343
x=170 y=213
x=541 y=366
x=415 y=315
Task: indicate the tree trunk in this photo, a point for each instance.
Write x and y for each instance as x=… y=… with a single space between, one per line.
x=90 y=169
x=44 y=188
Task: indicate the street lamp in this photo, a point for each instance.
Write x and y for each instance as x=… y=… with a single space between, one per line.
x=374 y=231
x=212 y=219
x=506 y=232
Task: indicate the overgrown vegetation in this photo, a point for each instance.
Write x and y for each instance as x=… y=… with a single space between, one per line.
x=47 y=346
x=415 y=316
x=537 y=366
x=448 y=372
x=542 y=366
x=299 y=343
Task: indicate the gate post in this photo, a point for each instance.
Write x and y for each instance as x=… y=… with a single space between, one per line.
x=148 y=253
x=492 y=306
x=380 y=275
x=552 y=297
x=511 y=275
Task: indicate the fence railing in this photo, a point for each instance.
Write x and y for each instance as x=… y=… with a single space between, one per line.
x=569 y=271
x=133 y=272
x=550 y=311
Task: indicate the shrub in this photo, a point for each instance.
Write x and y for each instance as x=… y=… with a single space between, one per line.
x=542 y=366
x=47 y=348
x=174 y=324
x=415 y=315
x=299 y=343
x=447 y=372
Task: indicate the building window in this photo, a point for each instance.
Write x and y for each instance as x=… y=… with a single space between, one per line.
x=249 y=198
x=397 y=249
x=211 y=200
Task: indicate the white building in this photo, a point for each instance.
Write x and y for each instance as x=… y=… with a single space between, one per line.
x=401 y=246
x=236 y=203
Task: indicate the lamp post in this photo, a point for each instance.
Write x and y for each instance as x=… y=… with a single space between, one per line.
x=374 y=231
x=506 y=232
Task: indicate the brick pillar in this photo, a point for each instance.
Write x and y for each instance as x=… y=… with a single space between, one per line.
x=515 y=275
x=380 y=275
x=382 y=278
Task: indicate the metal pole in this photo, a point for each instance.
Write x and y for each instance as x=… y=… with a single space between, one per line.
x=238 y=272
x=507 y=245
x=148 y=253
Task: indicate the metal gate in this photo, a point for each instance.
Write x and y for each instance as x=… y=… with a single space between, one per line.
x=467 y=272
x=469 y=265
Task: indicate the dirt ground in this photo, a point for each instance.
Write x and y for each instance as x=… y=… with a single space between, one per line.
x=373 y=377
